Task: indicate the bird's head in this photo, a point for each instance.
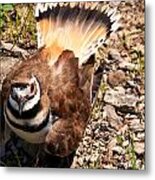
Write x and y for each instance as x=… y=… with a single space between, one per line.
x=24 y=94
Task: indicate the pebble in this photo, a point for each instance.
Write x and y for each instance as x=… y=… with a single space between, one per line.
x=131 y=83
x=114 y=55
x=112 y=143
x=139 y=147
x=141 y=135
x=125 y=143
x=118 y=149
x=80 y=161
x=135 y=125
x=127 y=65
x=114 y=120
x=115 y=78
x=118 y=98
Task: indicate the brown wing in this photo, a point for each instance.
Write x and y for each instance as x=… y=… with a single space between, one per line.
x=70 y=103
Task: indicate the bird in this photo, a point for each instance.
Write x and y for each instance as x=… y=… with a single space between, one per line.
x=46 y=99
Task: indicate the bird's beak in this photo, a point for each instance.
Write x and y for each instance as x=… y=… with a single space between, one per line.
x=21 y=105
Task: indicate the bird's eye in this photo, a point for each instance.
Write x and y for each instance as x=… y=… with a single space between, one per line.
x=22 y=88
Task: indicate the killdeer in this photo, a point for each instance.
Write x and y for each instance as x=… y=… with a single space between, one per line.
x=47 y=98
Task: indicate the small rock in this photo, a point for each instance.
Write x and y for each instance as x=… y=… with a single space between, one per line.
x=140 y=136
x=118 y=98
x=85 y=143
x=75 y=163
x=86 y=158
x=125 y=143
x=114 y=55
x=94 y=157
x=141 y=107
x=118 y=149
x=108 y=166
x=127 y=65
x=131 y=83
x=87 y=139
x=116 y=78
x=130 y=116
x=112 y=143
x=139 y=147
x=80 y=161
x=138 y=163
x=96 y=144
x=114 y=120
x=115 y=3
x=135 y=125
x=123 y=129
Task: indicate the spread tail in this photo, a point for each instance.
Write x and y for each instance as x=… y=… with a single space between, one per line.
x=78 y=26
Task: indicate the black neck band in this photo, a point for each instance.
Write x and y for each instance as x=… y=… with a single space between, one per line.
x=28 y=127
x=26 y=114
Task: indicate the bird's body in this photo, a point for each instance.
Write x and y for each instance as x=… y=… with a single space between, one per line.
x=47 y=98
